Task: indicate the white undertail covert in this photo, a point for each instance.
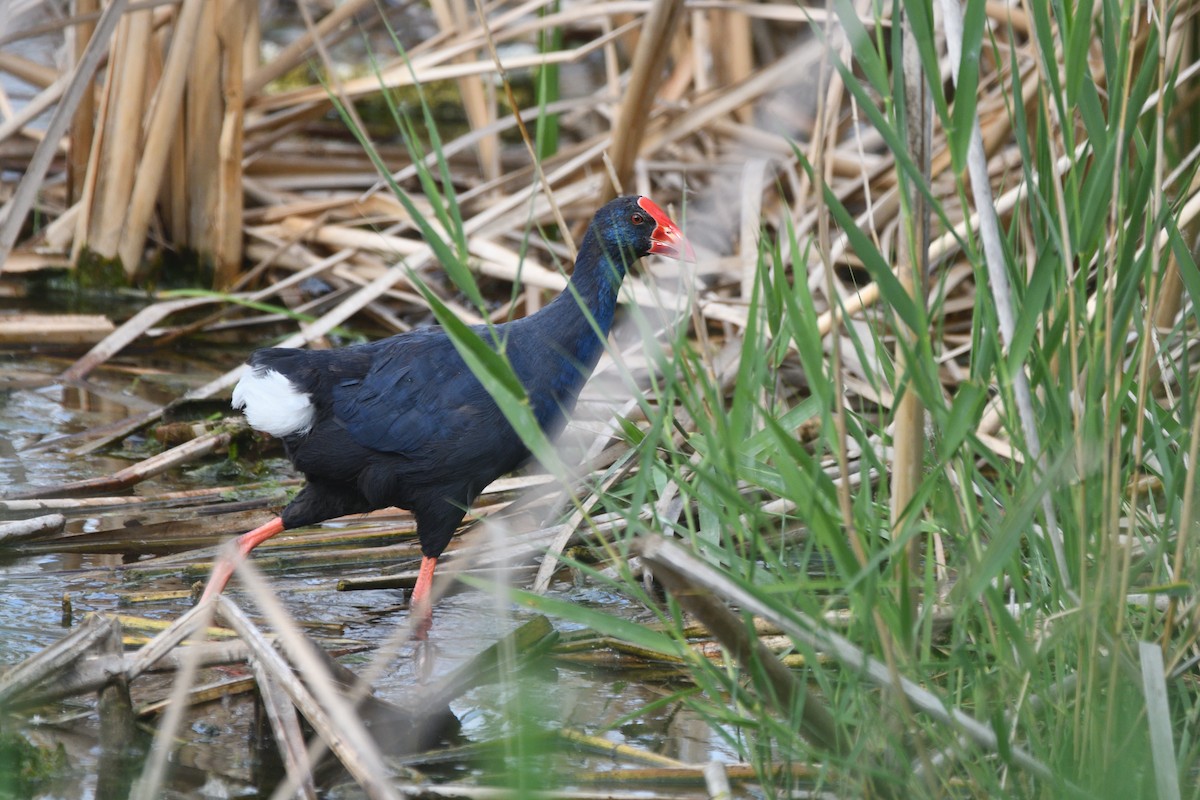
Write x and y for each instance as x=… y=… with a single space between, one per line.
x=273 y=404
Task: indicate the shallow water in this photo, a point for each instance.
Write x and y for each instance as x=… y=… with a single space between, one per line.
x=216 y=758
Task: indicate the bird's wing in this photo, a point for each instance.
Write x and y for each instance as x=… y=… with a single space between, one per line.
x=418 y=399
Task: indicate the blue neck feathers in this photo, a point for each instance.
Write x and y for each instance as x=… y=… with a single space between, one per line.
x=571 y=345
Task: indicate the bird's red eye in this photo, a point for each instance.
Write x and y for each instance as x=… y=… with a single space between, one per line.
x=637 y=219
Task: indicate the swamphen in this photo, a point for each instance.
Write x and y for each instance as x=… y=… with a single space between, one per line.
x=404 y=422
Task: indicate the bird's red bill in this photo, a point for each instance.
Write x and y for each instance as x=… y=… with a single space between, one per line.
x=667 y=239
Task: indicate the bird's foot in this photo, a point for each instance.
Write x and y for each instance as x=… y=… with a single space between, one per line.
x=425 y=660
x=425 y=652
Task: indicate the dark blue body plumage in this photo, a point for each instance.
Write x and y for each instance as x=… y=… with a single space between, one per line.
x=403 y=421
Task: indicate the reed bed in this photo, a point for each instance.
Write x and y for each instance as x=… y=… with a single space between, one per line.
x=901 y=466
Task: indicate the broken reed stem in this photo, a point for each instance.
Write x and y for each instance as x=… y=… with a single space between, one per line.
x=285 y=726
x=123 y=479
x=115 y=709
x=330 y=715
x=52 y=660
x=704 y=577
x=788 y=692
x=31 y=529
x=129 y=332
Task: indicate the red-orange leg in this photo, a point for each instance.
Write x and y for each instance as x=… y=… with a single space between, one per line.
x=420 y=602
x=226 y=563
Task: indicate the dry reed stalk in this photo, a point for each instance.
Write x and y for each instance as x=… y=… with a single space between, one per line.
x=206 y=693
x=119 y=136
x=83 y=125
x=421 y=71
x=54 y=329
x=39 y=75
x=653 y=47
x=173 y=189
x=454 y=17
x=198 y=136
x=295 y=52
x=723 y=100
x=694 y=774
x=122 y=504
x=83 y=208
x=226 y=248
x=17 y=123
x=159 y=129
x=733 y=61
x=618 y=751
x=93 y=674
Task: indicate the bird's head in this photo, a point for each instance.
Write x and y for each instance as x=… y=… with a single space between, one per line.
x=634 y=226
